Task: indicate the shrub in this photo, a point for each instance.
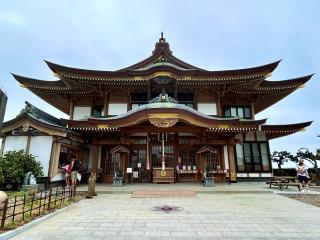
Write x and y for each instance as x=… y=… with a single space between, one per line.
x=15 y=165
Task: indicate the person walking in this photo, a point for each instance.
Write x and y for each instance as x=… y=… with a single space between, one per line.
x=303 y=176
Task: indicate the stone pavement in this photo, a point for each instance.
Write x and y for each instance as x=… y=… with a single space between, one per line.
x=205 y=216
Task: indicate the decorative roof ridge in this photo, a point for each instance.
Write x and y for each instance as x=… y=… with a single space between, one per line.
x=40 y=115
x=263 y=69
x=161 y=48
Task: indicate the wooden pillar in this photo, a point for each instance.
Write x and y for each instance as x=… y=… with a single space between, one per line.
x=28 y=144
x=176 y=90
x=218 y=104
x=71 y=111
x=2 y=146
x=149 y=90
x=252 y=111
x=177 y=150
x=93 y=176
x=106 y=104
x=196 y=99
x=95 y=155
x=129 y=105
x=232 y=163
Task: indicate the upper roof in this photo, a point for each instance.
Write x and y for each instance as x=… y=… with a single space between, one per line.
x=248 y=81
x=161 y=59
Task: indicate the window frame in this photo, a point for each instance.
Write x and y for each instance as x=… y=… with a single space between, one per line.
x=242 y=107
x=252 y=163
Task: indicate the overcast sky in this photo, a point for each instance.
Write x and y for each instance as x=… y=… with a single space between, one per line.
x=215 y=35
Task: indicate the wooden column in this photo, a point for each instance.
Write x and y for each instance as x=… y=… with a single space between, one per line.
x=2 y=146
x=95 y=155
x=71 y=111
x=177 y=149
x=196 y=99
x=93 y=176
x=176 y=90
x=218 y=104
x=232 y=163
x=28 y=144
x=129 y=105
x=149 y=90
x=252 y=111
x=106 y=104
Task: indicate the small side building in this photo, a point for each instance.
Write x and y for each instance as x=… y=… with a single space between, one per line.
x=44 y=136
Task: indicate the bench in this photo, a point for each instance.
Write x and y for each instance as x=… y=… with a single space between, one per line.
x=282 y=182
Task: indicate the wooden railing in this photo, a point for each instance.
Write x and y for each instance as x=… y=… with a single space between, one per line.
x=23 y=208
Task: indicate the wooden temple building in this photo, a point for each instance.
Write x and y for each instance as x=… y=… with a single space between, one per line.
x=159 y=120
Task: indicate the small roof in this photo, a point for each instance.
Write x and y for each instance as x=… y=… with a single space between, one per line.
x=33 y=116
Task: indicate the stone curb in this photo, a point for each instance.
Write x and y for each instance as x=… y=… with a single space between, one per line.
x=27 y=226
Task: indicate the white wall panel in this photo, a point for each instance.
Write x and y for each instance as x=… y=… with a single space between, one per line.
x=207 y=108
x=40 y=147
x=81 y=112
x=254 y=174
x=250 y=136
x=59 y=176
x=266 y=174
x=15 y=143
x=261 y=136
x=226 y=157
x=242 y=175
x=117 y=108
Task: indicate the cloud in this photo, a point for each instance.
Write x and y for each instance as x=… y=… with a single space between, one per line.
x=12 y=18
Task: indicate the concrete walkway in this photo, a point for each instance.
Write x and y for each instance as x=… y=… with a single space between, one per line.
x=205 y=216
x=241 y=187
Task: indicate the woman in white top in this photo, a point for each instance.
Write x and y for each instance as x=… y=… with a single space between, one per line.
x=302 y=174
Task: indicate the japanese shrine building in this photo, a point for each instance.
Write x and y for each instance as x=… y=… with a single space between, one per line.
x=161 y=118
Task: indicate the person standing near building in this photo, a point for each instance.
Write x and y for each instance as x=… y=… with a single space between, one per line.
x=75 y=166
x=303 y=176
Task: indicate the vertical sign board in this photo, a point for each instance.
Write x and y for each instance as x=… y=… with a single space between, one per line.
x=3 y=104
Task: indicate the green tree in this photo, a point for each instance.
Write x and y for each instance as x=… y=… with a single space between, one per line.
x=16 y=164
x=281 y=157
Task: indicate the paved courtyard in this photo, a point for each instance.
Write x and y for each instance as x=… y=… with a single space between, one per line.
x=204 y=216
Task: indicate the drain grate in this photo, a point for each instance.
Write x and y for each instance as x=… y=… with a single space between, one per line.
x=167 y=208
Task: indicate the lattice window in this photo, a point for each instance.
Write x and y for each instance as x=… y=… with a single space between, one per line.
x=139 y=156
x=112 y=162
x=188 y=157
x=156 y=152
x=213 y=161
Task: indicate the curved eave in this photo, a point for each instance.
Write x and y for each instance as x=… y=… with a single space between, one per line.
x=36 y=83
x=53 y=99
x=76 y=73
x=275 y=131
x=286 y=83
x=36 y=123
x=137 y=117
x=270 y=87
